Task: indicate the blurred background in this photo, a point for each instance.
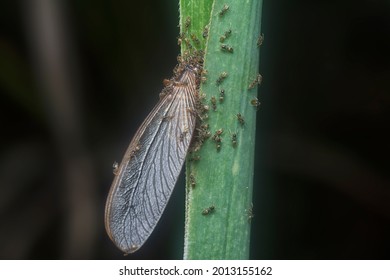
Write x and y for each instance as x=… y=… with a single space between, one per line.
x=77 y=78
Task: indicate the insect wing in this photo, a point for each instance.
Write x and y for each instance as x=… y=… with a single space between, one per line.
x=150 y=168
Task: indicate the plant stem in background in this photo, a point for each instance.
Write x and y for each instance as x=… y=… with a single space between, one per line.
x=194 y=17
x=219 y=184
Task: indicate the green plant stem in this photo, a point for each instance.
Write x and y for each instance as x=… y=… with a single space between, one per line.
x=198 y=12
x=223 y=178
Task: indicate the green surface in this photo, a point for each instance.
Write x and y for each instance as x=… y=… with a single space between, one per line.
x=223 y=178
x=198 y=12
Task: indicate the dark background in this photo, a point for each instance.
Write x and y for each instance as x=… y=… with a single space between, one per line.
x=78 y=77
